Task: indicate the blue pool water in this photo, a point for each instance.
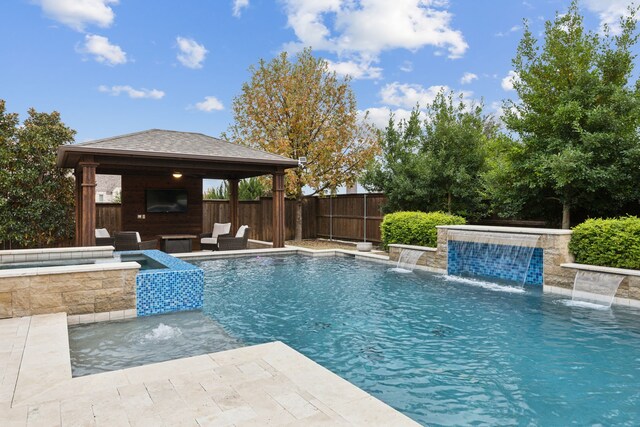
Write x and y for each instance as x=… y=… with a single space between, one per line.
x=443 y=352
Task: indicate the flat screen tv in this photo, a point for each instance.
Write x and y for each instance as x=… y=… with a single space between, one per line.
x=165 y=201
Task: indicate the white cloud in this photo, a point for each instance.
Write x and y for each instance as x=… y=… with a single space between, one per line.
x=238 y=5
x=133 y=93
x=468 y=78
x=357 y=70
x=408 y=95
x=102 y=50
x=210 y=103
x=192 y=54
x=609 y=11
x=407 y=66
x=507 y=81
x=513 y=29
x=362 y=29
x=77 y=14
x=379 y=116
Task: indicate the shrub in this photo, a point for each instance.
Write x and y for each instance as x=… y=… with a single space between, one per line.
x=607 y=242
x=415 y=228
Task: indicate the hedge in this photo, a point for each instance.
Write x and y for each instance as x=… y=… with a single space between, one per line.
x=607 y=242
x=415 y=228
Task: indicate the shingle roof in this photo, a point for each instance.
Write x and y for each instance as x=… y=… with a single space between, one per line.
x=156 y=142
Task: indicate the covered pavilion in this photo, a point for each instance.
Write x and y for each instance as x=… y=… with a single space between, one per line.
x=161 y=159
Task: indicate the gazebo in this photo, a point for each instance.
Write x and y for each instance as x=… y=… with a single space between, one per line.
x=168 y=160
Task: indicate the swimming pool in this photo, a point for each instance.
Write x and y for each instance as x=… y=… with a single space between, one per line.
x=442 y=352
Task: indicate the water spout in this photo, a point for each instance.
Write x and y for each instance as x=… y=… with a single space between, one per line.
x=407 y=260
x=163 y=332
x=595 y=288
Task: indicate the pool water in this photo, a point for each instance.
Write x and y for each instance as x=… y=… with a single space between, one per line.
x=444 y=352
x=107 y=346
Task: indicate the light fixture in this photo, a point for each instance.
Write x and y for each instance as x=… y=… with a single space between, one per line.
x=177 y=174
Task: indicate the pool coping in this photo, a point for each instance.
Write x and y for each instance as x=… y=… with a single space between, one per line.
x=263 y=383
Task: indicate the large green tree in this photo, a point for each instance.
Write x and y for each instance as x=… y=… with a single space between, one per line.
x=301 y=109
x=437 y=163
x=36 y=197
x=577 y=116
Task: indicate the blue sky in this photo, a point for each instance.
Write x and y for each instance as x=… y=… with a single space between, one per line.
x=117 y=66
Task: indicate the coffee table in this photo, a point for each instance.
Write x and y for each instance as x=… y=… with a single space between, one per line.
x=176 y=243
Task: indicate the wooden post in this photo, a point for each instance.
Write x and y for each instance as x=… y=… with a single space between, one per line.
x=78 y=194
x=278 y=210
x=88 y=168
x=233 y=205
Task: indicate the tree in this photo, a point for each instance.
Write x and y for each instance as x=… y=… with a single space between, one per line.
x=36 y=197
x=437 y=163
x=248 y=189
x=577 y=116
x=300 y=109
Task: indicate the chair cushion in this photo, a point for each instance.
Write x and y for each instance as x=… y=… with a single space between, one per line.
x=102 y=232
x=219 y=229
x=209 y=241
x=240 y=232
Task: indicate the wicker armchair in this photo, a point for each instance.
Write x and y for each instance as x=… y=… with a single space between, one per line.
x=209 y=241
x=130 y=241
x=228 y=243
x=103 y=238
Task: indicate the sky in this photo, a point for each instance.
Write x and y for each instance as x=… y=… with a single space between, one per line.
x=112 y=67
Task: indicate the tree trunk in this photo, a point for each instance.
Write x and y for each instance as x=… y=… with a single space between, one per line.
x=449 y=202
x=298 y=235
x=566 y=213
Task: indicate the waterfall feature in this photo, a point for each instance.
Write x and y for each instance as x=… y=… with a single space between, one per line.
x=407 y=260
x=595 y=288
x=506 y=256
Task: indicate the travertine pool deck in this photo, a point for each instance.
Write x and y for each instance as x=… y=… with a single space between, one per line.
x=268 y=384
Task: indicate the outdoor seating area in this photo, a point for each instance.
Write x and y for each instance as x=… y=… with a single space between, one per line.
x=219 y=240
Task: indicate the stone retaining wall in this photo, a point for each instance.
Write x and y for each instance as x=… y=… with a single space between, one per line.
x=77 y=292
x=555 y=245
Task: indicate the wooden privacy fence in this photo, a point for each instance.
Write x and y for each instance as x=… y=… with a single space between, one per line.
x=345 y=216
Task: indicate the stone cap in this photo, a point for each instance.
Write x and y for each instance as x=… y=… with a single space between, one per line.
x=602 y=269
x=413 y=247
x=515 y=230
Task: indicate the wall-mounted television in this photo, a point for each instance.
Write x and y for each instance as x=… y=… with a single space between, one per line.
x=166 y=200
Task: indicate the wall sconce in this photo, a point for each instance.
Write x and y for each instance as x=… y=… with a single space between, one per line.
x=177 y=174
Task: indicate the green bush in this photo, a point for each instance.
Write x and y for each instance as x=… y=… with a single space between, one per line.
x=607 y=242
x=415 y=228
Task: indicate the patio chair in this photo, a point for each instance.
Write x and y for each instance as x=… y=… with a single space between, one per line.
x=209 y=241
x=130 y=241
x=103 y=238
x=228 y=243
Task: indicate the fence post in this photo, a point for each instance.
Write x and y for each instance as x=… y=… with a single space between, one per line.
x=365 y=216
x=330 y=217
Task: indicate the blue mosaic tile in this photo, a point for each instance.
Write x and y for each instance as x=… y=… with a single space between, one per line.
x=495 y=261
x=179 y=287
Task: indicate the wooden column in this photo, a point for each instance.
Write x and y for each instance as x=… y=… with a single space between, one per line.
x=278 y=210
x=88 y=169
x=233 y=205
x=78 y=196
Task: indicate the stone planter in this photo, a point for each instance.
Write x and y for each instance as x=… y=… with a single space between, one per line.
x=364 y=246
